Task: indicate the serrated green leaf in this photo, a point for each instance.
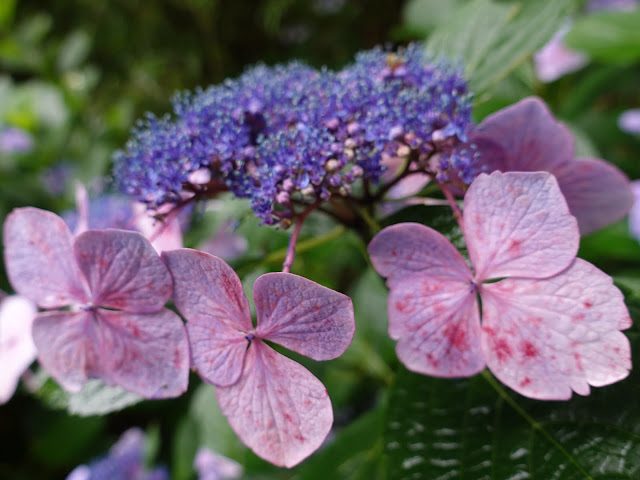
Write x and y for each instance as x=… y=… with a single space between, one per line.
x=474 y=428
x=611 y=37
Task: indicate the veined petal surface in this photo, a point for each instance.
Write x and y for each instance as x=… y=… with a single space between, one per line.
x=405 y=249
x=123 y=270
x=303 y=316
x=39 y=259
x=144 y=353
x=517 y=224
x=66 y=345
x=437 y=324
x=278 y=408
x=217 y=350
x=545 y=338
x=597 y=192
x=531 y=138
x=205 y=286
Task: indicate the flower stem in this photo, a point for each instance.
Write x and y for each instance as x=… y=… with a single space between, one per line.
x=291 y=250
x=457 y=213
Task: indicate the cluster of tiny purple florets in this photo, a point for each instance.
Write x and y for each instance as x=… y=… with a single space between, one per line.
x=291 y=135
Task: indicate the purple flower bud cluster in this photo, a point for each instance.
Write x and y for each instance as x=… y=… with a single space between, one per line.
x=291 y=135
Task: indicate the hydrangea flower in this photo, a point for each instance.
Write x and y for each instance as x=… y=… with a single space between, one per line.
x=15 y=140
x=555 y=59
x=103 y=293
x=525 y=137
x=634 y=214
x=549 y=322
x=276 y=406
x=124 y=462
x=17 y=350
x=211 y=466
x=288 y=135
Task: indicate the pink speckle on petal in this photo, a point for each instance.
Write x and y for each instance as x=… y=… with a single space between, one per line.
x=529 y=350
x=502 y=349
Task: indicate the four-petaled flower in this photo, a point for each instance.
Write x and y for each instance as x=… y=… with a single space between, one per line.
x=276 y=406
x=525 y=137
x=105 y=292
x=549 y=322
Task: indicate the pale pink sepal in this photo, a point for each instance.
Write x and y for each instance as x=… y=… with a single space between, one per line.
x=147 y=354
x=206 y=287
x=545 y=338
x=410 y=248
x=164 y=235
x=597 y=192
x=123 y=270
x=217 y=350
x=39 y=259
x=437 y=325
x=518 y=224
x=531 y=138
x=212 y=466
x=278 y=408
x=64 y=341
x=17 y=350
x=303 y=316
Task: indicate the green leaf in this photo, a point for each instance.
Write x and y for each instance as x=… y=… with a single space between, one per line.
x=475 y=428
x=492 y=39
x=611 y=37
x=355 y=453
x=424 y=15
x=95 y=398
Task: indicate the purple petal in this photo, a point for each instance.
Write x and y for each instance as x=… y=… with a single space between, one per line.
x=437 y=323
x=545 y=338
x=555 y=59
x=597 y=192
x=529 y=135
x=634 y=214
x=629 y=121
x=303 y=316
x=206 y=289
x=406 y=249
x=278 y=408
x=123 y=270
x=39 y=259
x=211 y=466
x=17 y=350
x=64 y=341
x=147 y=354
x=518 y=224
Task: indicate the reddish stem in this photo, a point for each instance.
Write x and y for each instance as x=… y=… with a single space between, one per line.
x=291 y=250
x=454 y=205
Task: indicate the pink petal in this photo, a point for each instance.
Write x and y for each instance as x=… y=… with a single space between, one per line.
x=518 y=224
x=278 y=408
x=64 y=341
x=544 y=338
x=205 y=287
x=39 y=259
x=410 y=248
x=629 y=121
x=147 y=354
x=531 y=138
x=123 y=270
x=17 y=350
x=303 y=316
x=597 y=192
x=555 y=59
x=163 y=235
x=217 y=350
x=437 y=323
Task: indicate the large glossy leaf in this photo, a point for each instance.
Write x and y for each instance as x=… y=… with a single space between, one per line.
x=492 y=39
x=475 y=428
x=612 y=37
